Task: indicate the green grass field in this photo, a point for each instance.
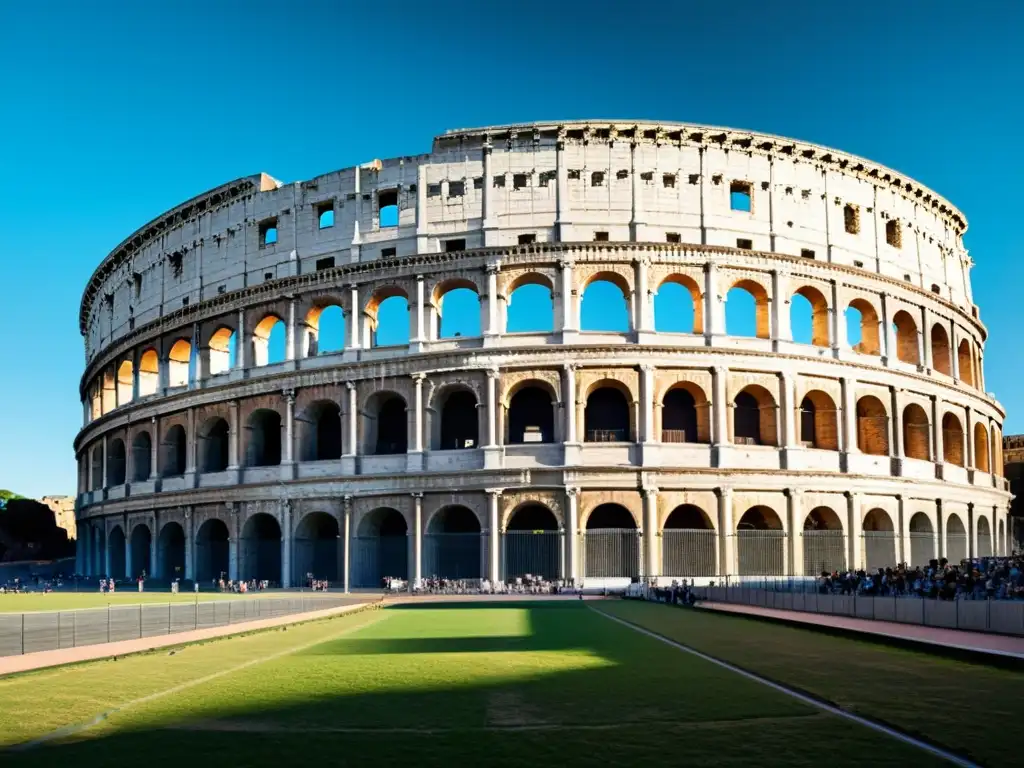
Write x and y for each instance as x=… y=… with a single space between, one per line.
x=504 y=685
x=69 y=601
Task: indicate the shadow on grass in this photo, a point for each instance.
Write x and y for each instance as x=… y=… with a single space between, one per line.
x=554 y=684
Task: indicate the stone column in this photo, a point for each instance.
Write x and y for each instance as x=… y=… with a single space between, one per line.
x=719 y=406
x=572 y=441
x=853 y=528
x=642 y=303
x=347 y=543
x=789 y=427
x=494 y=562
x=232 y=542
x=353 y=329
x=417 y=427
x=190 y=546
x=726 y=534
x=420 y=331
x=492 y=451
x=417 y=539
x=840 y=335
x=288 y=454
x=795 y=524
x=286 y=544
x=637 y=219
x=241 y=342
x=571 y=526
x=562 y=204
x=103 y=483
x=647 y=433
x=106 y=551
x=129 y=566
x=493 y=328
x=421 y=208
x=938 y=451
x=155 y=566
x=488 y=223
x=652 y=562
x=849 y=406
x=351 y=424
x=714 y=308
x=191 y=449
x=569 y=310
x=780 y=330
x=886 y=338
x=154 y=450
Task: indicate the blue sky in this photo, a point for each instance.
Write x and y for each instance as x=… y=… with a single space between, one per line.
x=115 y=112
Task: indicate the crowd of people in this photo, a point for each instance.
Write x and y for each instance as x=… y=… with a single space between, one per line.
x=240 y=586
x=993 y=578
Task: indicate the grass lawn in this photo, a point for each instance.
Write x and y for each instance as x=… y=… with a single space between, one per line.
x=448 y=685
x=967 y=708
x=69 y=601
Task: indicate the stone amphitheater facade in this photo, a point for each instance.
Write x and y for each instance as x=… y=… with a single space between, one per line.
x=596 y=456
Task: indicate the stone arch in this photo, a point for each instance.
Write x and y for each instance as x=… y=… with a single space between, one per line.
x=940 y=350
x=879 y=540
x=179 y=360
x=149 y=373
x=762 y=314
x=696 y=297
x=214 y=445
x=454 y=418
x=688 y=543
x=685 y=414
x=125 y=382
x=315 y=549
x=761 y=541
x=173 y=451
x=263 y=353
x=607 y=416
x=916 y=433
x=965 y=362
x=754 y=417
x=141 y=541
x=952 y=439
x=531 y=405
x=819 y=423
x=170 y=547
x=531 y=542
x=981 y=461
x=319 y=431
x=534 y=292
x=464 y=320
x=314 y=342
x=614 y=316
x=956 y=539
x=222 y=350
x=264 y=443
x=866 y=320
x=922 y=539
x=393 y=327
x=906 y=338
x=872 y=426
x=261 y=549
x=115 y=550
x=611 y=542
x=116 y=462
x=380 y=549
x=995 y=454
x=817 y=314
x=451 y=546
x=213 y=551
x=385 y=424
x=531 y=516
x=984 y=536
x=142 y=456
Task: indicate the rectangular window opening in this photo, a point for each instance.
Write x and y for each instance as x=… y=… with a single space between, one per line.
x=668 y=180
x=597 y=179
x=573 y=174
x=498 y=181
x=647 y=177
x=672 y=237
x=744 y=244
x=458 y=244
x=520 y=181
x=388 y=253
x=622 y=174
x=268 y=232
x=325 y=263
x=325 y=215
x=478 y=182
x=137 y=280
x=806 y=253
x=527 y=239
x=433 y=190
x=600 y=237
x=456 y=188
x=268 y=275
x=893 y=233
x=387 y=208
x=741 y=196
x=546 y=177
x=851 y=219
x=858 y=264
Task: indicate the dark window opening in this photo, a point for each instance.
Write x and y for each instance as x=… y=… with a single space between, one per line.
x=325 y=263
x=138 y=284
x=808 y=434
x=623 y=174
x=327 y=443
x=679 y=417
x=747 y=420
x=458 y=244
x=744 y=244
x=741 y=196
x=647 y=177
x=597 y=179
x=531 y=417
x=672 y=237
x=325 y=215
x=606 y=417
x=392 y=435
x=268 y=232
x=268 y=275
x=600 y=237
x=668 y=180
x=527 y=239
x=851 y=219
x=935 y=288
x=433 y=190
x=456 y=188
x=893 y=233
x=520 y=181
x=215 y=447
x=175 y=260
x=387 y=208
x=388 y=253
x=459 y=422
x=478 y=182
x=265 y=439
x=574 y=174
x=498 y=181
x=806 y=253
x=546 y=177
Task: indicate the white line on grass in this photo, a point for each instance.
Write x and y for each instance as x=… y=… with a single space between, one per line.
x=879 y=728
x=70 y=730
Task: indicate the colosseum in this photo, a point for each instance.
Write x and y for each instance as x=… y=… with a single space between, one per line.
x=592 y=413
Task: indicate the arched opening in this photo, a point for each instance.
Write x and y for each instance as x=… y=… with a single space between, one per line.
x=684 y=415
x=179 y=364
x=872 y=427
x=761 y=543
x=964 y=363
x=325 y=330
x=906 y=338
x=678 y=306
x=862 y=327
x=171 y=553
x=611 y=543
x=213 y=445
x=606 y=416
x=922 y=540
x=746 y=310
x=108 y=392
x=984 y=537
x=149 y=373
x=956 y=539
x=385 y=420
x=96 y=467
x=824 y=542
x=819 y=423
x=212 y=551
x=320 y=432
x=916 y=434
x=459 y=424
x=125 y=382
x=315 y=554
x=458 y=309
x=451 y=546
x=261 y=549
x=808 y=313
x=981 y=461
x=531 y=543
x=879 y=540
x=754 y=417
x=142 y=457
x=380 y=549
x=116 y=553
x=141 y=541
x=605 y=304
x=172 y=453
x=531 y=306
x=222 y=350
x=688 y=543
x=531 y=417
x=115 y=462
x=952 y=440
x=268 y=341
x=264 y=448
x=387 y=318
x=940 y=350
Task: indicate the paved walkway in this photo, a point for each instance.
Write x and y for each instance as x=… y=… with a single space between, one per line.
x=42 y=659
x=959 y=639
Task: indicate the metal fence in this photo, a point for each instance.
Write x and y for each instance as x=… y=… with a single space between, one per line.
x=612 y=553
x=880 y=549
x=824 y=551
x=689 y=552
x=538 y=553
x=377 y=557
x=52 y=630
x=452 y=555
x=1001 y=616
x=761 y=552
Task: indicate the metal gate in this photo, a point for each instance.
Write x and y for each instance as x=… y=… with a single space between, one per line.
x=922 y=547
x=611 y=553
x=689 y=552
x=761 y=552
x=452 y=555
x=261 y=559
x=376 y=557
x=538 y=553
x=824 y=551
x=319 y=557
x=956 y=547
x=879 y=550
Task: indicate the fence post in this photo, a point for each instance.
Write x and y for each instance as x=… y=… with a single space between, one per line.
x=23 y=634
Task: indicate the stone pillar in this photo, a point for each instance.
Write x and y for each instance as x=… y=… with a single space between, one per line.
x=569 y=310
x=191 y=449
x=106 y=551
x=726 y=534
x=493 y=328
x=417 y=539
x=233 y=534
x=849 y=406
x=234 y=435
x=154 y=450
x=572 y=441
x=286 y=544
x=190 y=546
x=241 y=342
x=493 y=450
x=652 y=561
x=562 y=205
x=103 y=482
x=840 y=335
x=417 y=427
x=636 y=227
x=938 y=451
x=853 y=528
x=488 y=223
x=155 y=566
x=288 y=454
x=129 y=566
x=790 y=437
x=350 y=426
x=419 y=332
x=642 y=301
x=886 y=337
x=795 y=524
x=954 y=356
x=719 y=406
x=924 y=341
x=896 y=449
x=780 y=330
x=572 y=534
x=647 y=430
x=421 y=208
x=356 y=314
x=714 y=307
x=347 y=542
x=494 y=563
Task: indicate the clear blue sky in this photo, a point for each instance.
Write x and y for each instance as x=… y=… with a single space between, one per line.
x=114 y=112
